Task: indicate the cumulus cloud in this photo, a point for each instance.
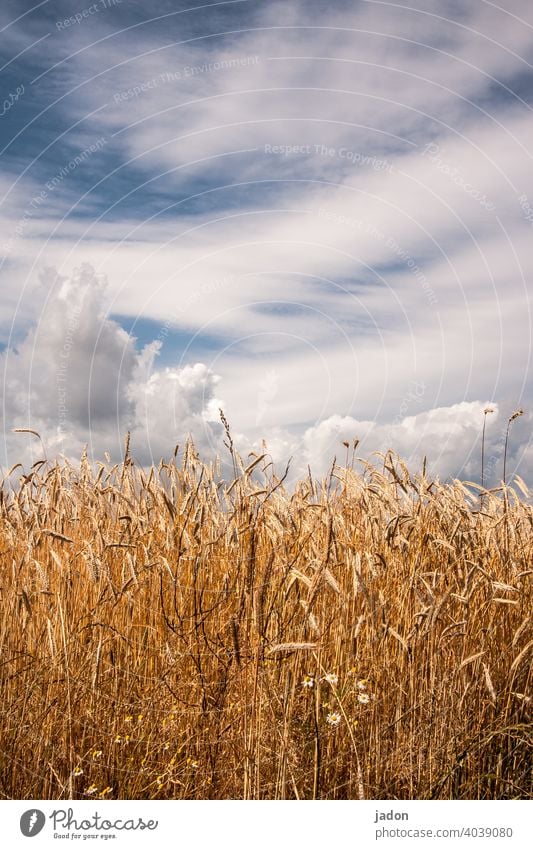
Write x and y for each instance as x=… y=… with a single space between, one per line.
x=449 y=438
x=78 y=378
x=172 y=405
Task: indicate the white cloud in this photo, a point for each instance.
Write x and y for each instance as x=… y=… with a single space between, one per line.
x=448 y=437
x=78 y=378
x=372 y=79
x=171 y=405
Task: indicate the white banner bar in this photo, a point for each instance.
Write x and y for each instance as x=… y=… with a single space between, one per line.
x=267 y=825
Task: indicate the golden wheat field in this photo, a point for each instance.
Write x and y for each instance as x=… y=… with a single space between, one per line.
x=168 y=634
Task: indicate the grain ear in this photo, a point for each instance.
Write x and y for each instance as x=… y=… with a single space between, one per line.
x=166 y=633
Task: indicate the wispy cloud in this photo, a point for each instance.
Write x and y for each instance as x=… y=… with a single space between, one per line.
x=339 y=201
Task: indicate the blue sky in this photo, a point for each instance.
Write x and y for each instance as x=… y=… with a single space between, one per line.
x=316 y=215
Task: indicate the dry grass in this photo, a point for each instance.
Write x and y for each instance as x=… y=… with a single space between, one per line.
x=166 y=635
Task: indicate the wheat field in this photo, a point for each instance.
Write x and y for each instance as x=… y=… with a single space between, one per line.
x=167 y=634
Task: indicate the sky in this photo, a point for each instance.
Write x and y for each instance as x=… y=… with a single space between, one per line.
x=315 y=216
